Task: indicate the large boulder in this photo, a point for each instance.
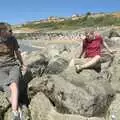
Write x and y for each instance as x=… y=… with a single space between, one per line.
x=68 y=47
x=58 y=116
x=113 y=41
x=85 y=76
x=40 y=107
x=114 y=33
x=115 y=75
x=113 y=112
x=37 y=62
x=56 y=65
x=73 y=94
x=4 y=105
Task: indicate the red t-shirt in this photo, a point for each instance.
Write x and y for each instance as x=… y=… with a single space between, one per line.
x=93 y=47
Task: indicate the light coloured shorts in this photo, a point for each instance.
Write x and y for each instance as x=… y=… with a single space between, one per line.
x=8 y=75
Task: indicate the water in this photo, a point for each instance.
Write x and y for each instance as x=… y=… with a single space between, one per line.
x=26 y=45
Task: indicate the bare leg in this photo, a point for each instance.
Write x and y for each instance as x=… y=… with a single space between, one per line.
x=92 y=62
x=88 y=63
x=14 y=96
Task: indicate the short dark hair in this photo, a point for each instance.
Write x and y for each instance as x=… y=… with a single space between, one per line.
x=4 y=26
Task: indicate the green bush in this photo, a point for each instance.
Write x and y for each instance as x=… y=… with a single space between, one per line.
x=86 y=21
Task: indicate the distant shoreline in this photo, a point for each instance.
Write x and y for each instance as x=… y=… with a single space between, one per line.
x=39 y=47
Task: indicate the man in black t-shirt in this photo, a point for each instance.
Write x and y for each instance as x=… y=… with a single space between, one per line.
x=9 y=66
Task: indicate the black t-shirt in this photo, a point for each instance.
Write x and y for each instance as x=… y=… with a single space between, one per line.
x=7 y=48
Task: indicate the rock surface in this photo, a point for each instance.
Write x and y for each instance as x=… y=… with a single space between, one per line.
x=57 y=92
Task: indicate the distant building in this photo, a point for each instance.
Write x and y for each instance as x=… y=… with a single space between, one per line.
x=52 y=19
x=75 y=16
x=55 y=19
x=44 y=21
x=36 y=22
x=102 y=14
x=60 y=19
x=116 y=15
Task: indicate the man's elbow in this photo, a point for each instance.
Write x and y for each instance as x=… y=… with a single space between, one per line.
x=18 y=52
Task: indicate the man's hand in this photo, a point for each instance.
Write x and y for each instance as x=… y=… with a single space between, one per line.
x=24 y=68
x=112 y=52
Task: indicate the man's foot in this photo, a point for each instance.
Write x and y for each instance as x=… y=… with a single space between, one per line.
x=20 y=113
x=78 y=68
x=23 y=110
x=15 y=115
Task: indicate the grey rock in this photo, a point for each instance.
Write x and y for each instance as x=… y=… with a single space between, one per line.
x=56 y=65
x=82 y=97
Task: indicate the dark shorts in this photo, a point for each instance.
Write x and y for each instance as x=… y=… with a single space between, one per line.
x=8 y=75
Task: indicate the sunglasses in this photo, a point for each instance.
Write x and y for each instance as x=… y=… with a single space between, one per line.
x=10 y=30
x=5 y=30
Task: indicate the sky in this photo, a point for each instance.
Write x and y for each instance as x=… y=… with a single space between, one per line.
x=20 y=11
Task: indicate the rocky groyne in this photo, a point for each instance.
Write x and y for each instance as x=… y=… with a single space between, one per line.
x=56 y=92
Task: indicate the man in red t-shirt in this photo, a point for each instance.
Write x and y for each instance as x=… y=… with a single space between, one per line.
x=91 y=51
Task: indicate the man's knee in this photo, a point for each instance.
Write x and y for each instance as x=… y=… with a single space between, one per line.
x=97 y=58
x=13 y=85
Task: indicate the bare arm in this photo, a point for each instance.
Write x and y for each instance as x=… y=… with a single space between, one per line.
x=19 y=57
x=107 y=47
x=82 y=50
